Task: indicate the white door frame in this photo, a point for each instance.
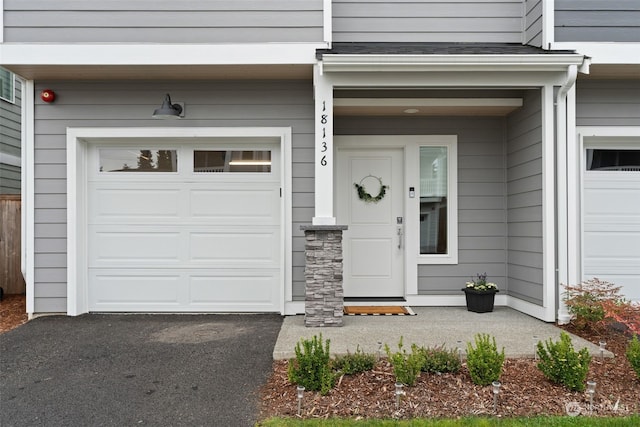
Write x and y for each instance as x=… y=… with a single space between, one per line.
x=410 y=145
x=77 y=236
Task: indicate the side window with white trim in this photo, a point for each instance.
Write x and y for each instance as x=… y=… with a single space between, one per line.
x=7 y=86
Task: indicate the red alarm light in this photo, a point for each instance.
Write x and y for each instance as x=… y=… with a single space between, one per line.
x=48 y=95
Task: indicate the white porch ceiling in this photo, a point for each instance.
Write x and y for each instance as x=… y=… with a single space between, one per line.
x=425 y=106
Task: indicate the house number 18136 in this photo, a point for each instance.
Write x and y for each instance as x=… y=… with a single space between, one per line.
x=324 y=118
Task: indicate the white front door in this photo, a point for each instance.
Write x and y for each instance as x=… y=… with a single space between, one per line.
x=374 y=242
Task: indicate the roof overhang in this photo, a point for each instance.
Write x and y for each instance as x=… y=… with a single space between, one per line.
x=443 y=57
x=448 y=63
x=37 y=61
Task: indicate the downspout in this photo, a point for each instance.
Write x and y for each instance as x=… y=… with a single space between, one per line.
x=562 y=242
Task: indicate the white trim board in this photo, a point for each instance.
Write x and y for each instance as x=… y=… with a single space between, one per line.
x=77 y=140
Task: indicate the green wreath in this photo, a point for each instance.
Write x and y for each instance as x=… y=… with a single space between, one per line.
x=365 y=196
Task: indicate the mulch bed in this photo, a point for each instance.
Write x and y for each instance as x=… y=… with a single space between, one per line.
x=524 y=392
x=12 y=312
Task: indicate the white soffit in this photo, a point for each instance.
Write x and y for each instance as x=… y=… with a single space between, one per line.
x=425 y=106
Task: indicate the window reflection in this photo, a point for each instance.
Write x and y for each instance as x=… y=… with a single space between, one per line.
x=613 y=160
x=433 y=200
x=219 y=161
x=143 y=160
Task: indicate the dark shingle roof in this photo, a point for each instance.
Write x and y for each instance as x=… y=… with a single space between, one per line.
x=390 y=48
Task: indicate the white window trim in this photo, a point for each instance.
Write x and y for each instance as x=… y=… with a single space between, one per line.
x=77 y=161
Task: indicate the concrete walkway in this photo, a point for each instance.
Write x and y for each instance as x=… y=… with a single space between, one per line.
x=432 y=326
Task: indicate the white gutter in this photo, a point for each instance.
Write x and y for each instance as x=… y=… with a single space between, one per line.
x=393 y=62
x=565 y=135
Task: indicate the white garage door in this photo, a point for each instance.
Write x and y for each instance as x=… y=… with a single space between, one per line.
x=611 y=218
x=184 y=229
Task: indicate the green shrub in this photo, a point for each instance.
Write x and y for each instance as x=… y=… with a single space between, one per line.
x=560 y=363
x=484 y=362
x=311 y=367
x=353 y=363
x=406 y=366
x=439 y=360
x=586 y=301
x=633 y=354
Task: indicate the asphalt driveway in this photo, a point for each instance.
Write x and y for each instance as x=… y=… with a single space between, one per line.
x=132 y=370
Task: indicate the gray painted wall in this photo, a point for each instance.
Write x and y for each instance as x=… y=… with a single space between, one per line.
x=10 y=123
x=524 y=200
x=533 y=22
x=130 y=104
x=597 y=21
x=481 y=191
x=608 y=103
x=427 y=21
x=163 y=21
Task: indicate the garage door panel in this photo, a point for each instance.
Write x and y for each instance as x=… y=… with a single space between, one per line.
x=611 y=229
x=235 y=246
x=113 y=204
x=234 y=206
x=233 y=290
x=134 y=247
x=141 y=290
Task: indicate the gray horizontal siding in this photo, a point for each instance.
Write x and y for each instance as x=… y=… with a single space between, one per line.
x=481 y=199
x=9 y=179
x=524 y=201
x=427 y=21
x=140 y=21
x=100 y=104
x=10 y=141
x=597 y=21
x=608 y=103
x=533 y=26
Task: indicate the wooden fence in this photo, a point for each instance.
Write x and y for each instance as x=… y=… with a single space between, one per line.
x=11 y=279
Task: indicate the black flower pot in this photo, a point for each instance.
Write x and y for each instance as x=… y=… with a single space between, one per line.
x=480 y=301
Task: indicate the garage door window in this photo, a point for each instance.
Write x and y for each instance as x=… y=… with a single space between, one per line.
x=137 y=160
x=613 y=160
x=221 y=161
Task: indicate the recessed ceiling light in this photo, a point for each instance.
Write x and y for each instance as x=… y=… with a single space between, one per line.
x=411 y=110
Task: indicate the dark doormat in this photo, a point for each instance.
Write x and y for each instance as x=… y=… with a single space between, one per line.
x=378 y=310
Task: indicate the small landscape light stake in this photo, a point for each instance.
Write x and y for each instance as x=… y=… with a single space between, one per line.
x=300 y=390
x=459 y=343
x=496 y=390
x=602 y=347
x=399 y=393
x=591 y=389
x=535 y=347
x=379 y=350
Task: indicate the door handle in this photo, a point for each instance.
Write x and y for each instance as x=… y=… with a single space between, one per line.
x=400 y=237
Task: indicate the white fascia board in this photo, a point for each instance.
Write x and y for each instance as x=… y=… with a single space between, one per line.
x=421 y=63
x=159 y=54
x=604 y=53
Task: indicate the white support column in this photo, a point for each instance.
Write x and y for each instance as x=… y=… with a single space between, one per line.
x=548 y=205
x=28 y=186
x=323 y=157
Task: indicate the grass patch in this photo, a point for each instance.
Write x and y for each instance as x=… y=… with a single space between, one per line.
x=463 y=422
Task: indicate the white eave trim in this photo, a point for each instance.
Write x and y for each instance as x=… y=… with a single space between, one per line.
x=159 y=54
x=360 y=63
x=604 y=53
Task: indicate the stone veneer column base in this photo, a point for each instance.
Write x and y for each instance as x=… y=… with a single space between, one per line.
x=324 y=297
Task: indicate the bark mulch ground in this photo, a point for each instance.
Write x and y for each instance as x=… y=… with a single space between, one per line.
x=524 y=392
x=12 y=312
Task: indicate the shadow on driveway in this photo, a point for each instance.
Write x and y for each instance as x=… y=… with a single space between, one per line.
x=129 y=370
